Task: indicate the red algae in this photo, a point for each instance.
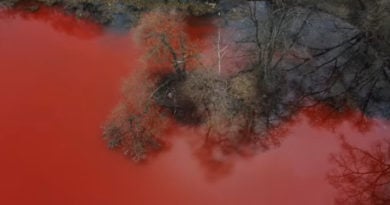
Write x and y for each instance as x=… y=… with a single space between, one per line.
x=56 y=92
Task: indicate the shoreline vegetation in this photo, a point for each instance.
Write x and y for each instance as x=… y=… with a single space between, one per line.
x=121 y=14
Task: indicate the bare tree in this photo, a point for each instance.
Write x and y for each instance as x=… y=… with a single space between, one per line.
x=268 y=37
x=136 y=125
x=221 y=50
x=362 y=176
x=162 y=32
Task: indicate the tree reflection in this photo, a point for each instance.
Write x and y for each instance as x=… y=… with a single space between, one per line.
x=362 y=176
x=325 y=116
x=290 y=65
x=218 y=151
x=57 y=19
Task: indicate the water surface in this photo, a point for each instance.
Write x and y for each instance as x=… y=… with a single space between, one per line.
x=59 y=80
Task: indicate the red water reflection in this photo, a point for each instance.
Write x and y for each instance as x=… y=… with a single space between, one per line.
x=56 y=92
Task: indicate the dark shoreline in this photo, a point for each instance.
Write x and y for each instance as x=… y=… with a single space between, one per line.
x=122 y=14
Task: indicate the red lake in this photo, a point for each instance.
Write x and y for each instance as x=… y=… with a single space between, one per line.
x=60 y=77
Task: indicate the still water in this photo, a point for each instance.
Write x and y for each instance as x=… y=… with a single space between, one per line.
x=59 y=80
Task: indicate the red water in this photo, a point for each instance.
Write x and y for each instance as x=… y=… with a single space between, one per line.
x=59 y=80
